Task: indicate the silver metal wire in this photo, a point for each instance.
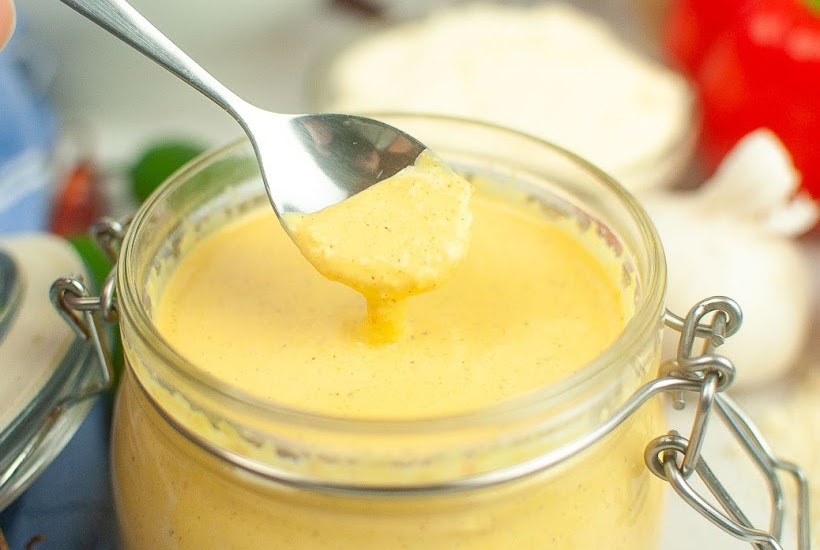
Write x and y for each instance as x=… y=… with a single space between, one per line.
x=674 y=458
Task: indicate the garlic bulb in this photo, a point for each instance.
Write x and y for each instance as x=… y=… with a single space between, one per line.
x=734 y=236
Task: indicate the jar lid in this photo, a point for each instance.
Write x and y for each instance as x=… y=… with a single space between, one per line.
x=43 y=365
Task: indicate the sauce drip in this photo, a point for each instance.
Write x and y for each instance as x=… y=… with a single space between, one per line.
x=403 y=236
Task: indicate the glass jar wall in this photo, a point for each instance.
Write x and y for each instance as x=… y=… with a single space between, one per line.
x=201 y=463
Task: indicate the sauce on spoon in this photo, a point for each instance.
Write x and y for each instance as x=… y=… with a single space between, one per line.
x=403 y=236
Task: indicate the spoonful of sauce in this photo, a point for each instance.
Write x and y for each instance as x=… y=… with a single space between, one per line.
x=308 y=161
x=391 y=241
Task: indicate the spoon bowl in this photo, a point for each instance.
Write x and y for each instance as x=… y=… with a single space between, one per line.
x=308 y=161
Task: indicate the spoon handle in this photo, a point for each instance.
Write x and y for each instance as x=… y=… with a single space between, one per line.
x=123 y=21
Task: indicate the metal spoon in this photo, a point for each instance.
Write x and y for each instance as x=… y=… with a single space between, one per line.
x=308 y=161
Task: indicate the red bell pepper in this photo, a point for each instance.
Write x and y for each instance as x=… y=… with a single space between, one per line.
x=754 y=63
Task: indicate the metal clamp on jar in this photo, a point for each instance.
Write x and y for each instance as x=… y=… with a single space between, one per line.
x=199 y=463
x=675 y=458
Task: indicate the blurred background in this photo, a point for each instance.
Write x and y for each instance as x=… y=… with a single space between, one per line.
x=112 y=100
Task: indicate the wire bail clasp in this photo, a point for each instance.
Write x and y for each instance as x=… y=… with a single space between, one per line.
x=675 y=458
x=85 y=313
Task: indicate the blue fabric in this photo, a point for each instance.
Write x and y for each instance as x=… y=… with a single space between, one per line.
x=70 y=504
x=28 y=118
x=28 y=132
x=30 y=213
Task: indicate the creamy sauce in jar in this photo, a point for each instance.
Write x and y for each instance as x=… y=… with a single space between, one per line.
x=247 y=307
x=528 y=305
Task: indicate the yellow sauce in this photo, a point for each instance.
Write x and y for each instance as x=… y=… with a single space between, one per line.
x=529 y=305
x=246 y=307
x=396 y=239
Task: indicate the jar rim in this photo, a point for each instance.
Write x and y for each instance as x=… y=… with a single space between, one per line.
x=649 y=309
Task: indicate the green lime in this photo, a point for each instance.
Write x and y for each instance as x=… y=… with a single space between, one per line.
x=96 y=261
x=158 y=162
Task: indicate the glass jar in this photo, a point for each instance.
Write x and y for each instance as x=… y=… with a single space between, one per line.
x=200 y=464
